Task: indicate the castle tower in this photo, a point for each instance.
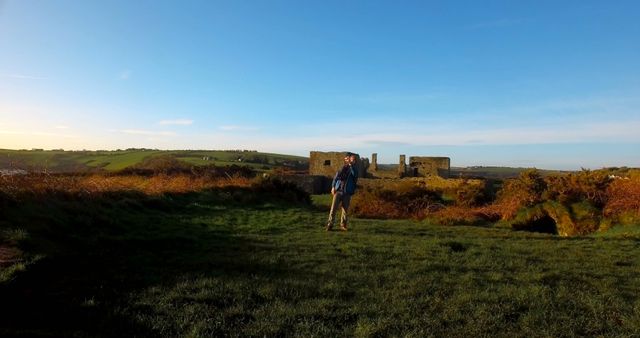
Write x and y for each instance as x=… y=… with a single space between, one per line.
x=402 y=167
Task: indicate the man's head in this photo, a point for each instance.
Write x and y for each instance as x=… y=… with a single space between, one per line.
x=350 y=158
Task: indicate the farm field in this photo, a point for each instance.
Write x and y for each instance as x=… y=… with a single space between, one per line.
x=79 y=161
x=76 y=161
x=232 y=262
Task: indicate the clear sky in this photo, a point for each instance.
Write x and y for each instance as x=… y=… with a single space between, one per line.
x=550 y=84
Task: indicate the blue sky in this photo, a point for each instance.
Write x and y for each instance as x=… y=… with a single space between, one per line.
x=550 y=84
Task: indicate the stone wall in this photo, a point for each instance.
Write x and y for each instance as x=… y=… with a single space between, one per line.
x=420 y=166
x=312 y=184
x=328 y=163
x=402 y=166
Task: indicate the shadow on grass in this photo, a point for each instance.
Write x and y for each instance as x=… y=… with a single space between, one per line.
x=99 y=251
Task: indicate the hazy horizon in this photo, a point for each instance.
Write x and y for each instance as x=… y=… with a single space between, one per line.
x=525 y=84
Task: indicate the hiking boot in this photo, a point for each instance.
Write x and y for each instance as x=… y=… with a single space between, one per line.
x=343 y=228
x=328 y=227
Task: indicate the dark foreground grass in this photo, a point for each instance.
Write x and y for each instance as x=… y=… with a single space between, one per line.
x=199 y=265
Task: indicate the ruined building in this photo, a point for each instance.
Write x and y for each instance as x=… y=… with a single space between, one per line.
x=328 y=163
x=421 y=166
x=402 y=166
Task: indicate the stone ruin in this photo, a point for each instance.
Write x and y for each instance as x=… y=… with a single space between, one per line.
x=324 y=165
x=421 y=166
x=328 y=163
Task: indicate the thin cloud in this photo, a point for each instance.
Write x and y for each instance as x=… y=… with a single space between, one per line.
x=61 y=127
x=179 y=122
x=385 y=143
x=147 y=132
x=238 y=128
x=376 y=136
x=24 y=77
x=36 y=133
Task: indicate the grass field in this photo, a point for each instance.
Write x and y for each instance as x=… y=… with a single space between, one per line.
x=68 y=161
x=213 y=264
x=76 y=161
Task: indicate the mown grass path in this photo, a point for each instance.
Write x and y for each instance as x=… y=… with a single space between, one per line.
x=196 y=266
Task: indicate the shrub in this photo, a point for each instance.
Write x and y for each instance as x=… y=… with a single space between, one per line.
x=408 y=202
x=277 y=189
x=586 y=185
x=524 y=191
x=458 y=215
x=551 y=216
x=623 y=200
x=469 y=195
x=586 y=217
x=16 y=188
x=169 y=165
x=548 y=217
x=155 y=165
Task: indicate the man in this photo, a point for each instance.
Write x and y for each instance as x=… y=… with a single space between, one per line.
x=342 y=188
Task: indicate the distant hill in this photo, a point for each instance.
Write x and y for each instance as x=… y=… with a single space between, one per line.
x=60 y=161
x=492 y=172
x=495 y=172
x=102 y=160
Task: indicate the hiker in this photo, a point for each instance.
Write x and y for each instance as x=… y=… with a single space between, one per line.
x=342 y=188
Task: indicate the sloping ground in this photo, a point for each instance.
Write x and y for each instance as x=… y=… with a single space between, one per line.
x=80 y=161
x=223 y=264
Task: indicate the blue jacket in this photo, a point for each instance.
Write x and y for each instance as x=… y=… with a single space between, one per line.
x=349 y=186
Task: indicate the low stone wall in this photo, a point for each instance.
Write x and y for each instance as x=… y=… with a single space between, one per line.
x=313 y=184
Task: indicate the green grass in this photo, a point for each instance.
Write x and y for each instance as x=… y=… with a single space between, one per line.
x=202 y=265
x=71 y=161
x=322 y=201
x=116 y=160
x=496 y=172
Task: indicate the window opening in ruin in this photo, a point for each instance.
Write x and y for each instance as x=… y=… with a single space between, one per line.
x=327 y=162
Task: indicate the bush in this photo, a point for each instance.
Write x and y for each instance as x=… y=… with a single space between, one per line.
x=169 y=165
x=156 y=165
x=470 y=195
x=525 y=191
x=623 y=200
x=458 y=215
x=551 y=216
x=13 y=189
x=586 y=185
x=277 y=189
x=573 y=202
x=409 y=202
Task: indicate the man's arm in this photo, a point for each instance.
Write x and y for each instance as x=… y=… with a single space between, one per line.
x=333 y=183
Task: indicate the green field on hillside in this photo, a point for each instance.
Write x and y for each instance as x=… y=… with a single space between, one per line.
x=72 y=161
x=222 y=263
